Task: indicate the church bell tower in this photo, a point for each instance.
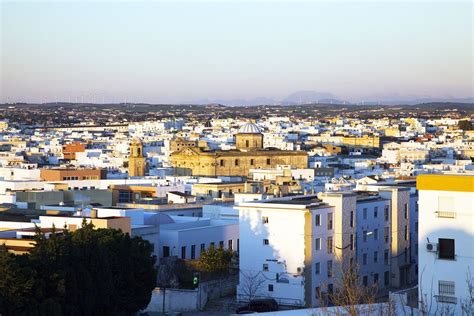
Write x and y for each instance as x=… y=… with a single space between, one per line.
x=136 y=161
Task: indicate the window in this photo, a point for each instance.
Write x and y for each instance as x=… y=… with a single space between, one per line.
x=406 y=232
x=317 y=292
x=386 y=278
x=266 y=242
x=270 y=287
x=446 y=288
x=446 y=291
x=193 y=251
x=125 y=196
x=221 y=244
x=376 y=234
x=351 y=220
x=317 y=267
x=211 y=245
x=405 y=253
x=386 y=212
x=265 y=267
x=329 y=266
x=385 y=235
x=406 y=211
x=236 y=162
x=329 y=221
x=446 y=249
x=229 y=245
x=376 y=212
x=183 y=252
x=247 y=143
x=317 y=243
x=364 y=236
x=376 y=256
x=329 y=244
x=351 y=242
x=385 y=257
x=222 y=163
x=364 y=259
x=238 y=244
x=203 y=247
x=364 y=213
x=446 y=207
x=252 y=162
x=166 y=251
x=265 y=219
x=330 y=288
x=376 y=278
x=317 y=220
x=268 y=161
x=365 y=280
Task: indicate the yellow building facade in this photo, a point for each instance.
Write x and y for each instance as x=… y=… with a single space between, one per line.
x=136 y=161
x=249 y=154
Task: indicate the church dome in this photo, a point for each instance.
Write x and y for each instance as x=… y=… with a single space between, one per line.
x=249 y=128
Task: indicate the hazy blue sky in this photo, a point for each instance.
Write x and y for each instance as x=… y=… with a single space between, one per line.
x=184 y=51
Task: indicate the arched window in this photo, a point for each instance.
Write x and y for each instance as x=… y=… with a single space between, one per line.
x=251 y=162
x=139 y=151
x=236 y=162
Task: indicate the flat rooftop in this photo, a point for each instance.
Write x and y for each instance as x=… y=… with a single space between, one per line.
x=306 y=200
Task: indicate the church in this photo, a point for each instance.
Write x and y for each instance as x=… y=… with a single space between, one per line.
x=249 y=154
x=136 y=160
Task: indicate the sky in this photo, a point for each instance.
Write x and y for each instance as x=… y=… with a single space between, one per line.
x=172 y=52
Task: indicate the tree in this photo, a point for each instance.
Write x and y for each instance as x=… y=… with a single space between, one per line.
x=467 y=303
x=215 y=259
x=87 y=272
x=352 y=297
x=465 y=125
x=16 y=281
x=349 y=290
x=251 y=283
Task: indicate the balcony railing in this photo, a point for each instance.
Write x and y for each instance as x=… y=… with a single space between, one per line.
x=446 y=299
x=446 y=214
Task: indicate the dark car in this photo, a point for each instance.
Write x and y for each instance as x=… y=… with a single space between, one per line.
x=260 y=305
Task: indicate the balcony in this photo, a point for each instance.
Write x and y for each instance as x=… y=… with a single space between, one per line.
x=446 y=299
x=445 y=214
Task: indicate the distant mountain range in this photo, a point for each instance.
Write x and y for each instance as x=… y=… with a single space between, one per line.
x=310 y=97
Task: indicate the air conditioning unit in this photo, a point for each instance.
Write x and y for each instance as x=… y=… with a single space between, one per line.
x=432 y=247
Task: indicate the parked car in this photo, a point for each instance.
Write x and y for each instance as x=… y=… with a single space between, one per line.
x=259 y=305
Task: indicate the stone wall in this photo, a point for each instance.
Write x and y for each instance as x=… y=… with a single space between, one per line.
x=180 y=300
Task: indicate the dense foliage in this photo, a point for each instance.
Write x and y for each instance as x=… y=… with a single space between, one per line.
x=215 y=259
x=85 y=272
x=465 y=125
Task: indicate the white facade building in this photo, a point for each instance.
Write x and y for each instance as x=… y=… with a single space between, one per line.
x=300 y=245
x=446 y=241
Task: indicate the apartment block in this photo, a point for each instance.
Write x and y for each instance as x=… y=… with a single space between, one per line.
x=446 y=235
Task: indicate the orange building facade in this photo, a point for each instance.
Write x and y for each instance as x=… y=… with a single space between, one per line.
x=70 y=150
x=60 y=174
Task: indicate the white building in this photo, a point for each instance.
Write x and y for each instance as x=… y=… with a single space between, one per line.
x=299 y=246
x=187 y=237
x=446 y=241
